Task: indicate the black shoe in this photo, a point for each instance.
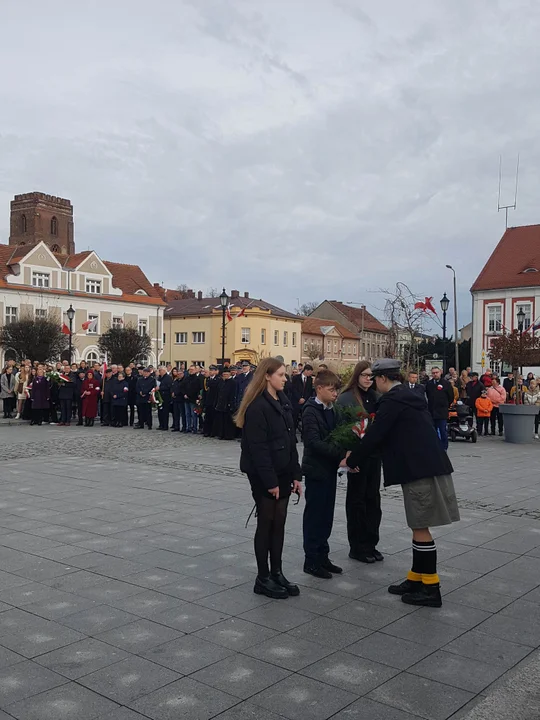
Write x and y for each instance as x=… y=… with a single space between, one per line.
x=426 y=595
x=280 y=579
x=269 y=587
x=329 y=565
x=379 y=557
x=80 y=422
x=365 y=558
x=407 y=586
x=175 y=430
x=317 y=571
x=500 y=434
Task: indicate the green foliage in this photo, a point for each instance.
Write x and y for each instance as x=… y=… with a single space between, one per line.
x=34 y=339
x=343 y=437
x=346 y=374
x=124 y=345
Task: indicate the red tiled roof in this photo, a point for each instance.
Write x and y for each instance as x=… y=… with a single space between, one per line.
x=72 y=261
x=205 y=306
x=130 y=278
x=357 y=316
x=312 y=326
x=517 y=251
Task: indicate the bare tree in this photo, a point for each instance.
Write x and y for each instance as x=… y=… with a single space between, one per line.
x=212 y=292
x=405 y=322
x=307 y=308
x=34 y=339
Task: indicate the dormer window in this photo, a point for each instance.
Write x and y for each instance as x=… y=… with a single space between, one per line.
x=530 y=270
x=93 y=287
x=140 y=292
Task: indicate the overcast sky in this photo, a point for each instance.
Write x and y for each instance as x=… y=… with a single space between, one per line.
x=294 y=148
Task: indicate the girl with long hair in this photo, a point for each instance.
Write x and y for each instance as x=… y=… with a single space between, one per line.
x=363 y=499
x=270 y=460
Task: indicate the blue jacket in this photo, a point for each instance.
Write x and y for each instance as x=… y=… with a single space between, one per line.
x=145 y=385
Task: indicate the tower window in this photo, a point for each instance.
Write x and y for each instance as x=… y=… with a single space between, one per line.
x=24 y=225
x=54 y=226
x=55 y=249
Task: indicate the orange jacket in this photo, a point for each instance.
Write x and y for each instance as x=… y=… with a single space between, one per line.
x=484 y=406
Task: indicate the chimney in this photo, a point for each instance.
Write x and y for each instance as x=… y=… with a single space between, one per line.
x=199 y=295
x=234 y=294
x=190 y=295
x=246 y=295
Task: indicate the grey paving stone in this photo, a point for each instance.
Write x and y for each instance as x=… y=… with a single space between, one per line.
x=37 y=636
x=420 y=696
x=59 y=605
x=419 y=629
x=299 y=697
x=187 y=654
x=189 y=588
x=108 y=590
x=480 y=560
x=368 y=615
x=154 y=578
x=28 y=593
x=240 y=675
x=247 y=711
x=288 y=652
x=136 y=637
x=74 y=582
x=128 y=679
x=389 y=650
x=486 y=648
x=234 y=601
x=98 y=619
x=123 y=713
x=9 y=580
x=8 y=657
x=63 y=703
x=317 y=601
x=278 y=615
x=525 y=632
x=350 y=672
x=43 y=569
x=184 y=698
x=236 y=634
x=189 y=618
x=451 y=613
x=25 y=679
x=147 y=604
x=480 y=598
x=366 y=709
x=81 y=658
x=523 y=610
x=455 y=670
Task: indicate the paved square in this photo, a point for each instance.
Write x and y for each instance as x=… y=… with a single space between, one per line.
x=126 y=576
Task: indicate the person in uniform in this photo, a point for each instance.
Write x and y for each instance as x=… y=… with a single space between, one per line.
x=145 y=384
x=211 y=390
x=412 y=457
x=106 y=398
x=242 y=381
x=179 y=403
x=224 y=427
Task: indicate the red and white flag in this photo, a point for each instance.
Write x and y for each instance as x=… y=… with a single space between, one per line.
x=228 y=313
x=90 y=325
x=65 y=329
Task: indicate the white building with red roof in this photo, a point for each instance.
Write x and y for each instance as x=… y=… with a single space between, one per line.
x=41 y=275
x=509 y=281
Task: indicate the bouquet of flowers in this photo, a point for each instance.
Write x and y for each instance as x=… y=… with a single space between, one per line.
x=352 y=425
x=53 y=377
x=198 y=409
x=156 y=399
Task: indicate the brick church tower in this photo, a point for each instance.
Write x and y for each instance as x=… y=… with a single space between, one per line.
x=37 y=217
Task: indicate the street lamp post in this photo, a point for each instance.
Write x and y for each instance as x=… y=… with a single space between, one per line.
x=456 y=341
x=445 y=302
x=224 y=300
x=71 y=314
x=520 y=322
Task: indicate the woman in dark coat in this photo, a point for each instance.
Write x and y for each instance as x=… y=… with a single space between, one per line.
x=119 y=400
x=270 y=460
x=40 y=394
x=90 y=393
x=412 y=457
x=224 y=427
x=363 y=500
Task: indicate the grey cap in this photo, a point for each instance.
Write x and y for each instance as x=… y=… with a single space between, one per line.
x=386 y=366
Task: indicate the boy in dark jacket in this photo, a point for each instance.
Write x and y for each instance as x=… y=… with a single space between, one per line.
x=320 y=464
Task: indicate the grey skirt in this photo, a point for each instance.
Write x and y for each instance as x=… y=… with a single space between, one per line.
x=430 y=502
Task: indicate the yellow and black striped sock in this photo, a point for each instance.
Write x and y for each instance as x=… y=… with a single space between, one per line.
x=425 y=561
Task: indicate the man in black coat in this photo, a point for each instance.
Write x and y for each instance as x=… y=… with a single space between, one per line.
x=192 y=390
x=242 y=381
x=145 y=384
x=440 y=395
x=301 y=391
x=413 y=384
x=165 y=390
x=210 y=399
x=508 y=383
x=106 y=398
x=474 y=391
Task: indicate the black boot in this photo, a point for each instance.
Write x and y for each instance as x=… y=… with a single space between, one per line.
x=269 y=587
x=407 y=586
x=327 y=564
x=362 y=557
x=280 y=579
x=91 y=422
x=426 y=595
x=317 y=571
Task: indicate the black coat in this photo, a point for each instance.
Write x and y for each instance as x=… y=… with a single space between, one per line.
x=404 y=432
x=66 y=391
x=440 y=395
x=132 y=385
x=419 y=389
x=192 y=387
x=165 y=387
x=226 y=396
x=178 y=389
x=474 y=390
x=106 y=388
x=321 y=459
x=269 y=441
x=145 y=385
x=212 y=391
x=242 y=381
x=120 y=388
x=301 y=389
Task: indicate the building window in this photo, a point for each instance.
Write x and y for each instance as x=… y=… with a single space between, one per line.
x=494 y=318
x=55 y=249
x=276 y=337
x=349 y=350
x=526 y=307
x=199 y=363
x=92 y=357
x=263 y=336
x=335 y=347
x=246 y=336
x=294 y=339
x=305 y=346
x=11 y=315
x=24 y=226
x=355 y=349
x=41 y=314
x=363 y=349
x=198 y=339
x=93 y=287
x=92 y=328
x=117 y=323
x=329 y=347
x=164 y=338
x=40 y=279
x=143 y=326
x=181 y=338
x=285 y=338
x=54 y=226
x=180 y=364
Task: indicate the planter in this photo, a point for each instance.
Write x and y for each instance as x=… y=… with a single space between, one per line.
x=519 y=422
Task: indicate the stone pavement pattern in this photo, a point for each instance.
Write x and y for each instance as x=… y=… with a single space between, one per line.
x=126 y=576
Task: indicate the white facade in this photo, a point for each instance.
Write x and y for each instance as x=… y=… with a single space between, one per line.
x=496 y=310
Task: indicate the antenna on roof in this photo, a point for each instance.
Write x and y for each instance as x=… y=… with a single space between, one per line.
x=506 y=208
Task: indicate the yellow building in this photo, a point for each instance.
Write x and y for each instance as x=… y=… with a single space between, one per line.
x=192 y=331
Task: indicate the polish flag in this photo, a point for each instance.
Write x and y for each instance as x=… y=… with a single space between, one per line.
x=90 y=325
x=241 y=313
x=228 y=313
x=65 y=329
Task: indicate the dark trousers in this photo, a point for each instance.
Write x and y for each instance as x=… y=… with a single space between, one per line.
x=9 y=404
x=119 y=415
x=442 y=432
x=65 y=411
x=131 y=407
x=496 y=418
x=79 y=412
x=53 y=414
x=163 y=414
x=536 y=423
x=482 y=423
x=318 y=518
x=105 y=413
x=37 y=416
x=144 y=411
x=208 y=424
x=363 y=507
x=179 y=415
